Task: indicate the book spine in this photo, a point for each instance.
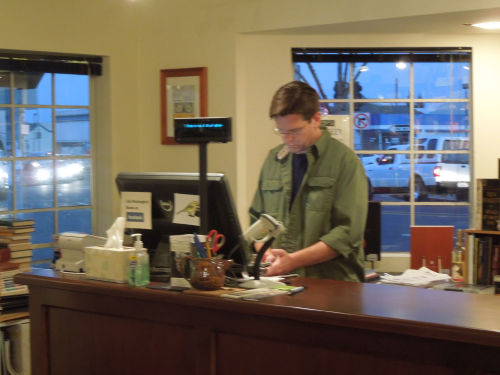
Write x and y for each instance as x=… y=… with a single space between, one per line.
x=488 y=249
x=495 y=261
x=4 y=254
x=480 y=262
x=475 y=260
x=484 y=263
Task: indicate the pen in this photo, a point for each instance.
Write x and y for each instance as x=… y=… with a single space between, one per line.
x=199 y=246
x=295 y=290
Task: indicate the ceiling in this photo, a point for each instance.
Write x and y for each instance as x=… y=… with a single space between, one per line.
x=447 y=23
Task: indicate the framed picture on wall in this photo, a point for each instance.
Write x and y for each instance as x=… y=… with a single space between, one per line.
x=183 y=94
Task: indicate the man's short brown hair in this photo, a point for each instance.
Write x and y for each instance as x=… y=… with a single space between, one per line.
x=295 y=98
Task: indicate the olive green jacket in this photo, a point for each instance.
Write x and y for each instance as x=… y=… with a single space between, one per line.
x=330 y=206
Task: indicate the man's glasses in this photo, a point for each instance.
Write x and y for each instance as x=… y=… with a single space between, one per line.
x=292 y=132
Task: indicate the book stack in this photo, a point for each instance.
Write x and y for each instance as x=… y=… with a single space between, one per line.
x=15 y=257
x=15 y=242
x=13 y=297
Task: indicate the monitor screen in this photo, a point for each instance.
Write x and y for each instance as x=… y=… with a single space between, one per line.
x=165 y=188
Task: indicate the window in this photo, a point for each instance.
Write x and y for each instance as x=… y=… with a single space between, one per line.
x=45 y=146
x=408 y=112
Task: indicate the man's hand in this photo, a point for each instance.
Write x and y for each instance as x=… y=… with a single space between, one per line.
x=285 y=262
x=268 y=257
x=282 y=264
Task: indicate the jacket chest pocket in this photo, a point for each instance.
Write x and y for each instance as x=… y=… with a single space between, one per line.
x=272 y=191
x=320 y=193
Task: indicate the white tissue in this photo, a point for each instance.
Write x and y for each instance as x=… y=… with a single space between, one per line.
x=115 y=234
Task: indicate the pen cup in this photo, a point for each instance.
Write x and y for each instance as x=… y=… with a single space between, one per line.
x=205 y=273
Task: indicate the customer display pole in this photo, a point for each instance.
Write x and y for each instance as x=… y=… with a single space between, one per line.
x=202 y=130
x=202 y=147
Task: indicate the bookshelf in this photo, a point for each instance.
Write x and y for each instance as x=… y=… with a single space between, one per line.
x=480 y=231
x=484 y=257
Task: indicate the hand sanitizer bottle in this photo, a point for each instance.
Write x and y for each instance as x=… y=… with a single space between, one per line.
x=139 y=264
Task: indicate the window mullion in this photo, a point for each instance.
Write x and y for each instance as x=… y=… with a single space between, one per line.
x=412 y=145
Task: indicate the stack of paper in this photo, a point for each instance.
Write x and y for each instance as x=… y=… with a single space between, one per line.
x=423 y=277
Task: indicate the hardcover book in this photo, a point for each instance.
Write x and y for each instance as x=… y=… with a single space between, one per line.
x=20 y=246
x=16 y=222
x=21 y=260
x=431 y=247
x=20 y=254
x=12 y=237
x=7 y=266
x=11 y=231
x=14 y=291
x=495 y=261
x=4 y=254
x=7 y=240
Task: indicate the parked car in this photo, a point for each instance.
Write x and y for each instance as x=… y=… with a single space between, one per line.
x=391 y=174
x=451 y=171
x=452 y=175
x=433 y=172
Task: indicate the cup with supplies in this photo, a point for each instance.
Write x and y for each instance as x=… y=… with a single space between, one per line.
x=204 y=273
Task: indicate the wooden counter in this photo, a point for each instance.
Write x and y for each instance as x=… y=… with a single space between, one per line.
x=80 y=326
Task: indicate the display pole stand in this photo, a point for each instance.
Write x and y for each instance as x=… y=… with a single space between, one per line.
x=202 y=146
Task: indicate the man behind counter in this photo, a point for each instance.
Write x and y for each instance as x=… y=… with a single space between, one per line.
x=316 y=186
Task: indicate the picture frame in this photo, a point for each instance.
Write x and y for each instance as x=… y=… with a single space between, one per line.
x=183 y=94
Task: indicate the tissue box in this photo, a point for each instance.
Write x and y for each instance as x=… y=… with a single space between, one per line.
x=107 y=264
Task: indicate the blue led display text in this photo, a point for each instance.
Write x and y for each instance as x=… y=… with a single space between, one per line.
x=203 y=125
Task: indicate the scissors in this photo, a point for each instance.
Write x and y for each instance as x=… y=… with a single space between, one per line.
x=215 y=241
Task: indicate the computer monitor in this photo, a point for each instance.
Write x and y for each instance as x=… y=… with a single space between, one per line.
x=163 y=186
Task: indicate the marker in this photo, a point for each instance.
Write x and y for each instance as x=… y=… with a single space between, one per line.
x=295 y=290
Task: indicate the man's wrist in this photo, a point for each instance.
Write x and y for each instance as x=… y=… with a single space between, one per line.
x=317 y=253
x=295 y=260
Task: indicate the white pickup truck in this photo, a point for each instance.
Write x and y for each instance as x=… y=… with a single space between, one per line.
x=391 y=174
x=433 y=172
x=451 y=171
x=452 y=175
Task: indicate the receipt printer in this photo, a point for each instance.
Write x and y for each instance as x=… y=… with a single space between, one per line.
x=71 y=246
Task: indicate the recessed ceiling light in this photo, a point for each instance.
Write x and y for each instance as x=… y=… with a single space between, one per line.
x=487 y=25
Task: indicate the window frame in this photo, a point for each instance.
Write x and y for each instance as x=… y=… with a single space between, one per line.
x=44 y=251
x=415 y=152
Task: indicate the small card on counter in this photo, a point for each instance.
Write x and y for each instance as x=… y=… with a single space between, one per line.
x=254 y=294
x=259 y=293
